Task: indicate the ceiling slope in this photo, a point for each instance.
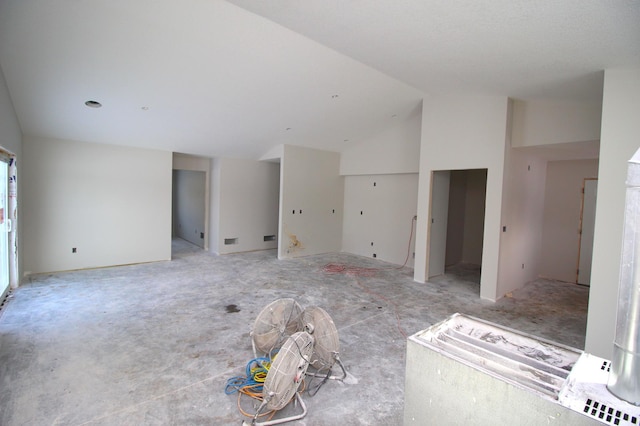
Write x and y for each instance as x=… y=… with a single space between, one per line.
x=202 y=77
x=519 y=48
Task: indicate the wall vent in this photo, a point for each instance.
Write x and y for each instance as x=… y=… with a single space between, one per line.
x=230 y=241
x=608 y=415
x=269 y=237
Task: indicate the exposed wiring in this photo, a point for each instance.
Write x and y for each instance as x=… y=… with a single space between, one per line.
x=252 y=384
x=339 y=268
x=256 y=373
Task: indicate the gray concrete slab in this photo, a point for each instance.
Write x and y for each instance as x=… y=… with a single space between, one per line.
x=155 y=343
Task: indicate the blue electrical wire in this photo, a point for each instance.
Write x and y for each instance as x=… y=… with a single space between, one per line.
x=254 y=367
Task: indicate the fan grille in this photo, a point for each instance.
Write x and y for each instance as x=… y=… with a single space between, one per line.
x=278 y=320
x=287 y=370
x=325 y=334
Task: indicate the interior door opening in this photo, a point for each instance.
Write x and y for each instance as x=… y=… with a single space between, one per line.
x=458 y=199
x=189 y=194
x=587 y=225
x=5 y=227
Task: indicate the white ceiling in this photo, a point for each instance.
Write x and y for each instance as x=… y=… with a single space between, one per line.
x=221 y=80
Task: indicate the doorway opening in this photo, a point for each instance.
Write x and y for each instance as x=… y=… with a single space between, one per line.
x=458 y=199
x=189 y=189
x=8 y=223
x=587 y=225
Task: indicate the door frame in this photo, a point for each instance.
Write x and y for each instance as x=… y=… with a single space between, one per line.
x=12 y=214
x=581 y=226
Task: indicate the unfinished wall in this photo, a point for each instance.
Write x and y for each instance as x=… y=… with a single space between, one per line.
x=11 y=141
x=390 y=161
x=113 y=204
x=464 y=133
x=474 y=217
x=394 y=150
x=522 y=219
x=620 y=139
x=378 y=216
x=562 y=207
x=544 y=122
x=246 y=198
x=311 y=202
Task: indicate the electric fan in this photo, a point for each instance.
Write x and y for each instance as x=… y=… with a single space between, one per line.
x=278 y=320
x=285 y=377
x=317 y=322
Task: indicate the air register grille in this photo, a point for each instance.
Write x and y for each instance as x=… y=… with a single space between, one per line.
x=607 y=414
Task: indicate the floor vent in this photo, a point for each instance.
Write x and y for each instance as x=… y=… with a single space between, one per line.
x=608 y=415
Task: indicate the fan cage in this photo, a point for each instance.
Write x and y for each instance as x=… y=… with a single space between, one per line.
x=287 y=370
x=277 y=321
x=327 y=344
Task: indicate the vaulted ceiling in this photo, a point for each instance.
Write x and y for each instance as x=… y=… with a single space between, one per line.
x=234 y=78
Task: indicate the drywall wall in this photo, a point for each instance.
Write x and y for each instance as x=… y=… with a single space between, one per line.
x=619 y=140
x=311 y=202
x=202 y=164
x=464 y=132
x=10 y=133
x=111 y=203
x=522 y=219
x=561 y=220
x=543 y=122
x=247 y=199
x=11 y=141
x=396 y=149
x=438 y=221
x=455 y=217
x=189 y=205
x=378 y=216
x=214 y=205
x=476 y=189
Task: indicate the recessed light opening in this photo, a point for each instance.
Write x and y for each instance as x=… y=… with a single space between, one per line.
x=93 y=104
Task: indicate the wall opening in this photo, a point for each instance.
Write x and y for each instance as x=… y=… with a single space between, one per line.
x=456 y=228
x=8 y=223
x=189 y=194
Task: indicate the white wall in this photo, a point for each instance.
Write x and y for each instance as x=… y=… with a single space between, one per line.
x=438 y=221
x=562 y=207
x=245 y=204
x=378 y=216
x=544 y=122
x=395 y=150
x=112 y=203
x=11 y=140
x=464 y=133
x=311 y=184
x=214 y=205
x=476 y=188
x=389 y=158
x=620 y=138
x=522 y=215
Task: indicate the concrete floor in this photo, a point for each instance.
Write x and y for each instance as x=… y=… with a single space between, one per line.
x=155 y=343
